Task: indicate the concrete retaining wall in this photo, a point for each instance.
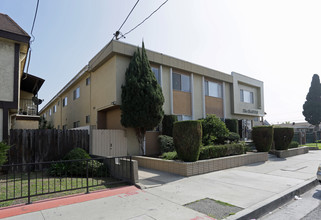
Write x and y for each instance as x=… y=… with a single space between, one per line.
x=291 y=152
x=202 y=166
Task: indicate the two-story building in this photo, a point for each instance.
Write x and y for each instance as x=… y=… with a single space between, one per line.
x=93 y=96
x=18 y=90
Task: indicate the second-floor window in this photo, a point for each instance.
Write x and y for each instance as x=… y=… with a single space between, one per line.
x=65 y=101
x=157 y=74
x=76 y=124
x=213 y=89
x=76 y=93
x=54 y=109
x=87 y=81
x=247 y=96
x=49 y=111
x=181 y=82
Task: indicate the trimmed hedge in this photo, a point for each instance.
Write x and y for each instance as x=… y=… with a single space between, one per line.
x=294 y=144
x=282 y=137
x=262 y=137
x=232 y=125
x=187 y=136
x=233 y=137
x=167 y=124
x=215 y=151
x=166 y=143
x=170 y=155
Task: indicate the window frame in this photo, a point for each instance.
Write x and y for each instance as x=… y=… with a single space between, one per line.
x=244 y=99
x=76 y=93
x=88 y=81
x=219 y=89
x=178 y=85
x=65 y=101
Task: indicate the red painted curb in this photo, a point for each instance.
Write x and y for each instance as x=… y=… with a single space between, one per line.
x=62 y=201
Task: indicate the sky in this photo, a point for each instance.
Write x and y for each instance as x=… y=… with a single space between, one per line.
x=277 y=42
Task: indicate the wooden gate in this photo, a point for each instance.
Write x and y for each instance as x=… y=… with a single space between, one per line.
x=109 y=143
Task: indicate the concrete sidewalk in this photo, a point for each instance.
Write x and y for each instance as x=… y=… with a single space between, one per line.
x=255 y=188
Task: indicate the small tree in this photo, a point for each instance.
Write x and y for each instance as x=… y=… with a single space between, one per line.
x=214 y=130
x=142 y=97
x=312 y=105
x=3 y=153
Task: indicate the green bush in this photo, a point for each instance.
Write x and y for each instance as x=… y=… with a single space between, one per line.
x=166 y=143
x=282 y=137
x=214 y=130
x=232 y=125
x=187 y=137
x=262 y=137
x=3 y=153
x=167 y=124
x=215 y=151
x=233 y=137
x=77 y=168
x=170 y=155
x=293 y=144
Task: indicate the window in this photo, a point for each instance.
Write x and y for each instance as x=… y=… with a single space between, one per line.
x=54 y=109
x=181 y=82
x=76 y=93
x=58 y=103
x=87 y=81
x=157 y=74
x=184 y=117
x=64 y=127
x=44 y=115
x=76 y=124
x=247 y=97
x=49 y=111
x=65 y=101
x=213 y=89
x=87 y=119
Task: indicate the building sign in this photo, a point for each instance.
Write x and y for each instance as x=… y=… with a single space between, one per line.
x=249 y=111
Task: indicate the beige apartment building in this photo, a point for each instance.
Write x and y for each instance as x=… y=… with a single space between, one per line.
x=93 y=96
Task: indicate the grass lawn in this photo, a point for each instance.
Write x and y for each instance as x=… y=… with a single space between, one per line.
x=17 y=186
x=312 y=145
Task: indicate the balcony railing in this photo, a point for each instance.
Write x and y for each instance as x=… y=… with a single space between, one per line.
x=27 y=107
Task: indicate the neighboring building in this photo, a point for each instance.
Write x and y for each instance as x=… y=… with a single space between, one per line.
x=299 y=126
x=16 y=87
x=93 y=96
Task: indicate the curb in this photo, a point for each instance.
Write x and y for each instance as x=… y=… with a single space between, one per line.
x=270 y=204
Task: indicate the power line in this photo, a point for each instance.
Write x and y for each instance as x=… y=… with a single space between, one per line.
x=117 y=33
x=145 y=18
x=31 y=33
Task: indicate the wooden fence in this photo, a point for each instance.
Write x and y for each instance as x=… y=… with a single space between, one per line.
x=109 y=143
x=31 y=146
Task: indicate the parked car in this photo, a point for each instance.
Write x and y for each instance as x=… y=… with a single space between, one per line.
x=319 y=173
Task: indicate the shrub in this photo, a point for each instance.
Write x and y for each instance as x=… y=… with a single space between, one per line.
x=262 y=137
x=167 y=124
x=3 y=153
x=76 y=168
x=170 y=155
x=232 y=125
x=233 y=137
x=282 y=137
x=187 y=136
x=214 y=130
x=293 y=144
x=166 y=143
x=215 y=151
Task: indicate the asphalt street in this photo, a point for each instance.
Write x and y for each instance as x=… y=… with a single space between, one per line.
x=304 y=207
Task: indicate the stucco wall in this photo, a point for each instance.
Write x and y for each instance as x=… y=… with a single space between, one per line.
x=166 y=89
x=25 y=124
x=6 y=71
x=197 y=96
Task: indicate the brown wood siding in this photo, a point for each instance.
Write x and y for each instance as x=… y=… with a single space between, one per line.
x=214 y=106
x=182 y=104
x=152 y=146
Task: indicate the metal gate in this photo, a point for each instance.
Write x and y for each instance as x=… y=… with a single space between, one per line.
x=107 y=143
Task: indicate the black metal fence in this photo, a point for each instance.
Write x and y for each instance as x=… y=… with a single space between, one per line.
x=21 y=181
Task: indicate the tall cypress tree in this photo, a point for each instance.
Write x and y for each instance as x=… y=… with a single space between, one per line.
x=142 y=97
x=312 y=105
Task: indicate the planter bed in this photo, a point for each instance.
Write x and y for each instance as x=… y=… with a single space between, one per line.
x=201 y=166
x=290 y=152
